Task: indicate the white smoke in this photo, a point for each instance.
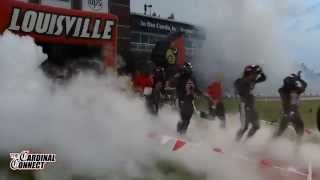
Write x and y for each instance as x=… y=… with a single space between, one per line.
x=244 y=32
x=96 y=125
x=92 y=124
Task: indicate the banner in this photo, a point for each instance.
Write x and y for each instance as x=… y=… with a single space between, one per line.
x=170 y=51
x=151 y=24
x=179 y=45
x=58 y=25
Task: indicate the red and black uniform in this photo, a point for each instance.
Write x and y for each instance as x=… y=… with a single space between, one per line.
x=244 y=87
x=290 y=96
x=186 y=89
x=164 y=86
x=157 y=88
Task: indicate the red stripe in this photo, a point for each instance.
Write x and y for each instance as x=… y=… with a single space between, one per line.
x=179 y=44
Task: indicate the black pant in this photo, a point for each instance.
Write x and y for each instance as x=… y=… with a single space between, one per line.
x=186 y=111
x=292 y=115
x=248 y=115
x=153 y=100
x=318 y=118
x=216 y=110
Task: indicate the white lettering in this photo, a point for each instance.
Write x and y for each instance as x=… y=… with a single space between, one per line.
x=96 y=33
x=43 y=23
x=69 y=23
x=59 y=25
x=85 y=28
x=78 y=28
x=107 y=34
x=29 y=21
x=52 y=24
x=15 y=15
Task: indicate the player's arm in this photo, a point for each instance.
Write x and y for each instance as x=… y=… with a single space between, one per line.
x=262 y=77
x=302 y=82
x=303 y=85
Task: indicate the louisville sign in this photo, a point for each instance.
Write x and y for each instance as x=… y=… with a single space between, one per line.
x=57 y=25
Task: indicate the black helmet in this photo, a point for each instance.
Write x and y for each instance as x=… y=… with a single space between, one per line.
x=252 y=69
x=187 y=68
x=290 y=81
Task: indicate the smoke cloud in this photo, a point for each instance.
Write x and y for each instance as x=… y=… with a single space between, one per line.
x=239 y=33
x=97 y=126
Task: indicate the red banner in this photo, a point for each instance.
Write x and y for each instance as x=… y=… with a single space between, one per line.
x=58 y=25
x=179 y=45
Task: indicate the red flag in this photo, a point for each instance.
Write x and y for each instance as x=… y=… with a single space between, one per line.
x=179 y=45
x=178 y=145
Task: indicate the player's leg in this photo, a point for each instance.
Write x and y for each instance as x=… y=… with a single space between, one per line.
x=243 y=121
x=221 y=114
x=283 y=124
x=298 y=123
x=186 y=111
x=254 y=120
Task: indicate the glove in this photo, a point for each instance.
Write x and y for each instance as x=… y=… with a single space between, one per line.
x=259 y=70
x=299 y=75
x=296 y=77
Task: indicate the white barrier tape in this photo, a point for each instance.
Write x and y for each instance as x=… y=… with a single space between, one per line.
x=293 y=170
x=179 y=143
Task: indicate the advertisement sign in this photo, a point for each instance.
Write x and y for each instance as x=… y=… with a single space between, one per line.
x=95 y=5
x=57 y=25
x=156 y=25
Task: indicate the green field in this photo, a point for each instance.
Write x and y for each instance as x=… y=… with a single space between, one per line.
x=270 y=110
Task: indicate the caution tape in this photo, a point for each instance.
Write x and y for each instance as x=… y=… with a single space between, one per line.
x=177 y=144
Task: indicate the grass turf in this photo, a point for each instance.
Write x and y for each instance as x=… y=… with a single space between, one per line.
x=271 y=110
